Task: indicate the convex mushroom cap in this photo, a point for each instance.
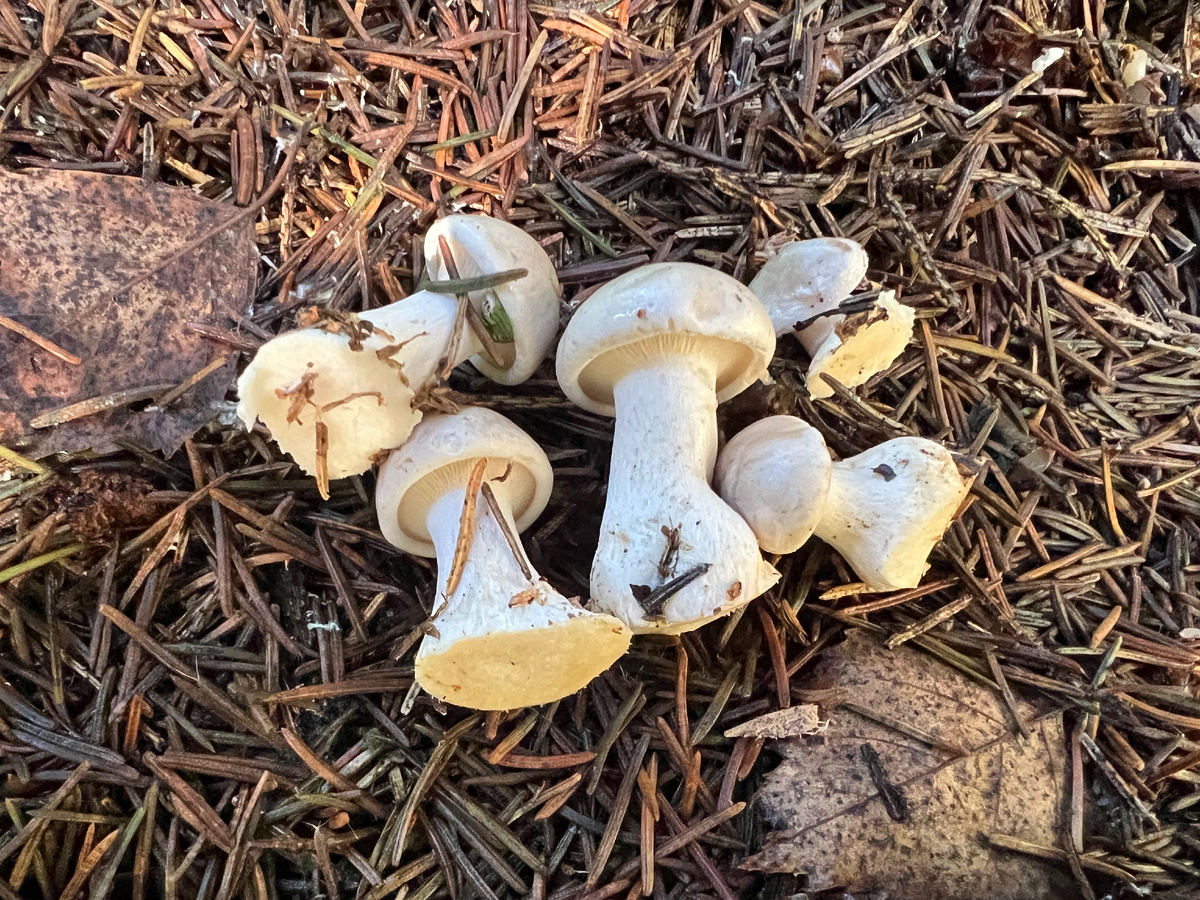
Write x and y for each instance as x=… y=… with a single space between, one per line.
x=883 y=511
x=504 y=637
x=776 y=474
x=806 y=279
x=658 y=348
x=480 y=245
x=357 y=382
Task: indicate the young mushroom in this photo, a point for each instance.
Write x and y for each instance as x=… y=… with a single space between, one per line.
x=776 y=473
x=461 y=488
x=335 y=397
x=883 y=510
x=852 y=348
x=806 y=279
x=658 y=348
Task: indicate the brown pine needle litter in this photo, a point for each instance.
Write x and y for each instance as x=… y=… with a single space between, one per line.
x=216 y=700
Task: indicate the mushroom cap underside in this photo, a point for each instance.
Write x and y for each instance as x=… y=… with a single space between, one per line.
x=509 y=669
x=657 y=310
x=481 y=245
x=439 y=456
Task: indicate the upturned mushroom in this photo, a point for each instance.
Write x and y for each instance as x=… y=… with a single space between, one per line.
x=334 y=398
x=883 y=510
x=461 y=488
x=852 y=348
x=806 y=279
x=658 y=348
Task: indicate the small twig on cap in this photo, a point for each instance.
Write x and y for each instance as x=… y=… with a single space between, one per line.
x=466 y=313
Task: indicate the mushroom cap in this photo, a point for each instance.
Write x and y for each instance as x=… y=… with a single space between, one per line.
x=543 y=653
x=888 y=507
x=663 y=307
x=482 y=245
x=854 y=348
x=356 y=429
x=775 y=473
x=439 y=455
x=806 y=279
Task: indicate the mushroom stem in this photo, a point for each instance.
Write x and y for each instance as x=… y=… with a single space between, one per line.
x=491 y=648
x=888 y=506
x=362 y=397
x=424 y=323
x=659 y=497
x=491 y=572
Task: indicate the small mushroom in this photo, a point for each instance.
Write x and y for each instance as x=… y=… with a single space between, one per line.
x=461 y=488
x=852 y=348
x=334 y=398
x=806 y=279
x=775 y=473
x=658 y=348
x=882 y=510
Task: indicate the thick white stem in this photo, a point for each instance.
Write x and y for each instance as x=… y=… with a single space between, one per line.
x=424 y=322
x=664 y=448
x=888 y=507
x=492 y=575
x=505 y=638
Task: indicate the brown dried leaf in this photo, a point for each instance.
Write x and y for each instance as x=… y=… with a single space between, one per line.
x=68 y=242
x=841 y=822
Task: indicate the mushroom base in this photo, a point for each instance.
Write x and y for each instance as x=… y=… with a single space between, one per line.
x=505 y=638
x=888 y=507
x=363 y=397
x=512 y=669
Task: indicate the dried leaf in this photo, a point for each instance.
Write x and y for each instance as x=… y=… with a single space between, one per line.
x=70 y=241
x=840 y=812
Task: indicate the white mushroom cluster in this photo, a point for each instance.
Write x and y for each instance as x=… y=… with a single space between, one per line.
x=657 y=349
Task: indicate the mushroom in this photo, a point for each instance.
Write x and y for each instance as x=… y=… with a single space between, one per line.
x=806 y=279
x=852 y=348
x=658 y=348
x=776 y=473
x=335 y=397
x=882 y=510
x=461 y=488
